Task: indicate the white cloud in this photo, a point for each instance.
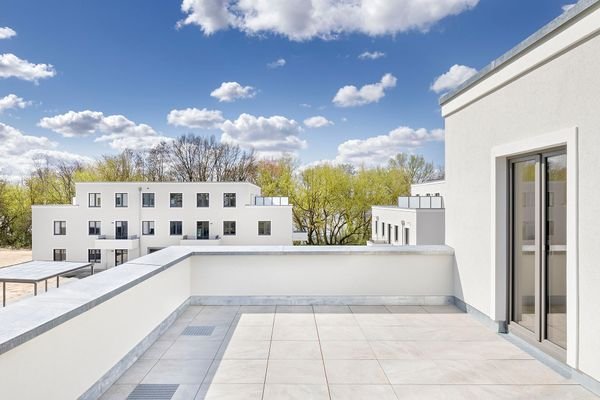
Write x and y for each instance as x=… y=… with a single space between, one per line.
x=307 y=19
x=196 y=118
x=7 y=33
x=117 y=130
x=231 y=91
x=12 y=66
x=317 y=122
x=351 y=96
x=567 y=7
x=12 y=101
x=19 y=152
x=277 y=63
x=371 y=55
x=305 y=105
x=456 y=75
x=268 y=136
x=378 y=150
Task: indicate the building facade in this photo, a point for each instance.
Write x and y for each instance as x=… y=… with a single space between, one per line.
x=522 y=145
x=110 y=223
x=416 y=220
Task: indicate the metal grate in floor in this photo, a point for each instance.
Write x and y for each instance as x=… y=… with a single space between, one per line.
x=153 y=392
x=198 y=331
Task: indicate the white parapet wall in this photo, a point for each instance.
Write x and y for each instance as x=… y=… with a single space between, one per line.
x=76 y=341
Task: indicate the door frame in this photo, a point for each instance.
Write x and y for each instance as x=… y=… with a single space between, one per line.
x=499 y=217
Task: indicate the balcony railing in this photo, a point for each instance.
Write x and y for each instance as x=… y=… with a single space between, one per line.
x=421 y=202
x=194 y=237
x=108 y=237
x=271 y=201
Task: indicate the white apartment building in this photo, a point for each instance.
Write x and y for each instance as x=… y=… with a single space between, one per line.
x=110 y=223
x=522 y=162
x=416 y=220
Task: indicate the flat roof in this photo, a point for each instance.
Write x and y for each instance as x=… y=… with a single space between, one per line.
x=566 y=17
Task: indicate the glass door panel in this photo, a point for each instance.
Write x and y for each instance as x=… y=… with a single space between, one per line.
x=524 y=305
x=202 y=230
x=556 y=249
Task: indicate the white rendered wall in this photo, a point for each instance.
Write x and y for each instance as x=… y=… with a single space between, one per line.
x=77 y=241
x=560 y=94
x=428 y=188
x=426 y=226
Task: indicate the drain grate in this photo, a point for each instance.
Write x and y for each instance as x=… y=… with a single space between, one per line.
x=198 y=330
x=153 y=392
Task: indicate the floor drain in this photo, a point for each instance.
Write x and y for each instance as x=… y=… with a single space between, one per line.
x=198 y=330
x=153 y=392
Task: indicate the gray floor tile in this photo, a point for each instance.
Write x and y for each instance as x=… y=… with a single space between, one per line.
x=295 y=392
x=118 y=392
x=363 y=372
x=347 y=350
x=137 y=371
x=245 y=350
x=192 y=350
x=369 y=309
x=295 y=350
x=157 y=350
x=178 y=371
x=328 y=333
x=233 y=391
x=296 y=372
x=294 y=309
x=238 y=371
x=186 y=392
x=362 y=392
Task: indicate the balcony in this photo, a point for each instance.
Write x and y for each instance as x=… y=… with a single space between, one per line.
x=105 y=242
x=421 y=202
x=191 y=240
x=267 y=322
x=271 y=201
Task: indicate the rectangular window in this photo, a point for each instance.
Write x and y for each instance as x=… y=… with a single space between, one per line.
x=94 y=256
x=94 y=228
x=383 y=229
x=120 y=256
x=228 y=199
x=264 y=228
x=60 y=255
x=147 y=200
x=60 y=227
x=147 y=227
x=93 y=199
x=120 y=199
x=175 y=228
x=228 y=228
x=376 y=225
x=406 y=236
x=202 y=199
x=395 y=233
x=121 y=229
x=176 y=200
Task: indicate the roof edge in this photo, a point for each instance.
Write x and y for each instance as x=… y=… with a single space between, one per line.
x=557 y=23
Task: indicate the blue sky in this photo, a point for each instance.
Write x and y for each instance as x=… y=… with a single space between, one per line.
x=130 y=59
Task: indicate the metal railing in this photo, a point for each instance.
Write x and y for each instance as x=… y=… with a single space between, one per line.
x=108 y=237
x=194 y=237
x=271 y=201
x=421 y=202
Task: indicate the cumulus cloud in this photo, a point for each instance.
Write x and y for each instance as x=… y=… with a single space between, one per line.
x=12 y=66
x=456 y=75
x=20 y=153
x=326 y=19
x=7 y=33
x=12 y=101
x=351 y=96
x=196 y=118
x=317 y=122
x=567 y=7
x=378 y=150
x=231 y=91
x=371 y=55
x=268 y=136
x=277 y=63
x=117 y=130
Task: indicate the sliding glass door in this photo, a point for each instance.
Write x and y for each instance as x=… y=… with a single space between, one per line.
x=538 y=249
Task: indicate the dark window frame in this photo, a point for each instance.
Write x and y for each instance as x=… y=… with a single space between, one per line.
x=227 y=229
x=151 y=195
x=175 y=232
x=173 y=204
x=199 y=203
x=94 y=256
x=62 y=254
x=266 y=232
x=96 y=203
x=148 y=228
x=97 y=226
x=124 y=200
x=229 y=200
x=62 y=228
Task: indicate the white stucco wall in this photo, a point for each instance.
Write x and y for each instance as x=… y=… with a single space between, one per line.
x=426 y=226
x=556 y=92
x=428 y=189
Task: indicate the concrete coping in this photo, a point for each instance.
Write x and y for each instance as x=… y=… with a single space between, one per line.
x=31 y=317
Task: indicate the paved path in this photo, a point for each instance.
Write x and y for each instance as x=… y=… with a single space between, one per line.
x=339 y=353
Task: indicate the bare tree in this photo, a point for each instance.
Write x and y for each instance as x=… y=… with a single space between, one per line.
x=415 y=167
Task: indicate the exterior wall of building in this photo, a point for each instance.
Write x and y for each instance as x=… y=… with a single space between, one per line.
x=435 y=188
x=77 y=240
x=547 y=97
x=425 y=226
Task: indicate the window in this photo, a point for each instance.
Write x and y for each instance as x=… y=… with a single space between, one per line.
x=406 y=235
x=60 y=227
x=120 y=199
x=175 y=228
x=93 y=199
x=94 y=256
x=121 y=229
x=228 y=199
x=376 y=225
x=176 y=200
x=147 y=200
x=264 y=228
x=228 y=228
x=202 y=199
x=94 y=228
x=383 y=229
x=395 y=233
x=147 y=227
x=60 y=255
x=120 y=256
